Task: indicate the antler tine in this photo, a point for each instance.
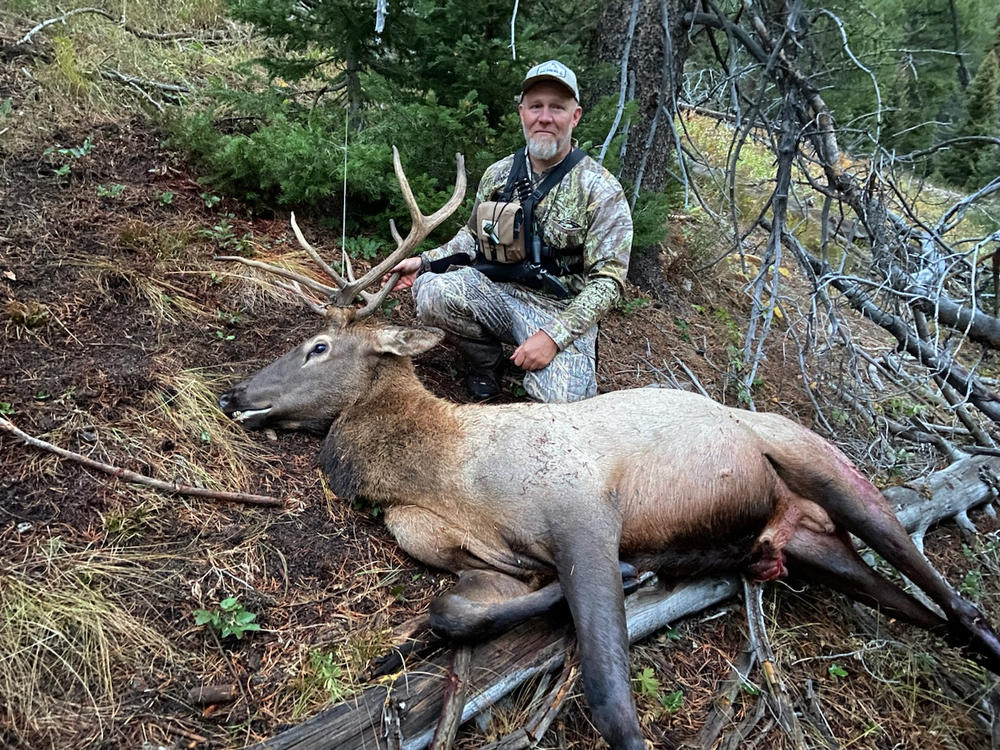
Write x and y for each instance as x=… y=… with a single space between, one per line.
x=279 y=271
x=421 y=227
x=306 y=299
x=395 y=232
x=314 y=254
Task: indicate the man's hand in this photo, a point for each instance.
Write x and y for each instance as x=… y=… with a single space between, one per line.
x=407 y=269
x=536 y=352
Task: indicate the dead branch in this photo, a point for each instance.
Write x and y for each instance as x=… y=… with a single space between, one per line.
x=777 y=693
x=623 y=83
x=923 y=352
x=721 y=713
x=116 y=75
x=531 y=734
x=454 y=699
x=171 y=37
x=135 y=478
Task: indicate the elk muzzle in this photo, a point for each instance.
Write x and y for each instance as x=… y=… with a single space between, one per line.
x=236 y=406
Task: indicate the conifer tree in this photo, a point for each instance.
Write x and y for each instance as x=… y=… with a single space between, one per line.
x=972 y=164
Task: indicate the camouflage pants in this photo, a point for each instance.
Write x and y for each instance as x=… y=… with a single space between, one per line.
x=466 y=303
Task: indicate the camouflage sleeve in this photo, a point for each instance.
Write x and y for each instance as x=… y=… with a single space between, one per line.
x=590 y=305
x=464 y=243
x=606 y=252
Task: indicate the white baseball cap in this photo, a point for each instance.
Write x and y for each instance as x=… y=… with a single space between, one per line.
x=553 y=70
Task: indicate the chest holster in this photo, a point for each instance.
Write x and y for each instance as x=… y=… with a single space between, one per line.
x=540 y=268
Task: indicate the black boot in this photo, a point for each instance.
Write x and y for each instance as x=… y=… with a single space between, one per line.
x=484 y=362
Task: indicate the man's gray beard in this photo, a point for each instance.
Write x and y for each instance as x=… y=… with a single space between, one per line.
x=542 y=148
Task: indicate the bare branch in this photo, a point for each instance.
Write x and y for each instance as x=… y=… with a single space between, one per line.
x=135 y=478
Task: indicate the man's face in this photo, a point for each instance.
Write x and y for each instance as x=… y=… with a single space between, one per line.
x=548 y=115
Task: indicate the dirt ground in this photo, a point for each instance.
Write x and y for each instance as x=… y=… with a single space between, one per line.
x=118 y=332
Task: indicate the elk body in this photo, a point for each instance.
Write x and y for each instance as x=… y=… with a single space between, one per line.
x=530 y=503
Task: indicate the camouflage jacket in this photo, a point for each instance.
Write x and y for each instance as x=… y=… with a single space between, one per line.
x=586 y=210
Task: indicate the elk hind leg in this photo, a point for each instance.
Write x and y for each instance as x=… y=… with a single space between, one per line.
x=829 y=558
x=855 y=504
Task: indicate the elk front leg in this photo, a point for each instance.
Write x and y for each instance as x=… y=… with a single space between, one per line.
x=485 y=603
x=591 y=578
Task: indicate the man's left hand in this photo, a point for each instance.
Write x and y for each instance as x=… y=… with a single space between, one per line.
x=536 y=352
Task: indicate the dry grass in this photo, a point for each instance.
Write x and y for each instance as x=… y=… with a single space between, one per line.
x=70 y=634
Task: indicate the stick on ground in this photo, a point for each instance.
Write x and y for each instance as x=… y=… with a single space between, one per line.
x=135 y=478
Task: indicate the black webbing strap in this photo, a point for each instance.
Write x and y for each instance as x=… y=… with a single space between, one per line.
x=554 y=177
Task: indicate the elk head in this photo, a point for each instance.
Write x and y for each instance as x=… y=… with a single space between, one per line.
x=307 y=387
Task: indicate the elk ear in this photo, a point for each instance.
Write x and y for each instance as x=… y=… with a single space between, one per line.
x=406 y=342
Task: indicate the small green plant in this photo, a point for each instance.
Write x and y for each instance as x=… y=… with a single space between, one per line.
x=113 y=190
x=836 y=671
x=367 y=248
x=972 y=584
x=632 y=306
x=6 y=408
x=228 y=619
x=165 y=198
x=70 y=155
x=129 y=525
x=224 y=235
x=672 y=702
x=210 y=201
x=647 y=684
x=328 y=674
x=6 y=108
x=229 y=318
x=223 y=336
x=684 y=328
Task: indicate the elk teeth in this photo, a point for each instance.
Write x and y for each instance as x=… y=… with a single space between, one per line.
x=242 y=416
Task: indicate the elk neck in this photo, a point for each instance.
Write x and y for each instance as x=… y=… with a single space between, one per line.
x=396 y=440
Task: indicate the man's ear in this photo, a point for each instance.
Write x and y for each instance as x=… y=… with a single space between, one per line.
x=406 y=342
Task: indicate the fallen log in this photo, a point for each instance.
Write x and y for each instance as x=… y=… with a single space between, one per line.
x=401 y=712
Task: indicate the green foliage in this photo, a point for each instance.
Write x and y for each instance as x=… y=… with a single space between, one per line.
x=647 y=685
x=434 y=84
x=651 y=219
x=368 y=248
x=328 y=674
x=113 y=190
x=70 y=155
x=228 y=619
x=972 y=584
x=634 y=305
x=972 y=165
x=224 y=235
x=836 y=671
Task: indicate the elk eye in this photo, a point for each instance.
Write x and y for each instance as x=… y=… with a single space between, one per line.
x=318 y=348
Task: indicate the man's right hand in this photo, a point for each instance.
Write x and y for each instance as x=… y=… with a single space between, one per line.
x=407 y=270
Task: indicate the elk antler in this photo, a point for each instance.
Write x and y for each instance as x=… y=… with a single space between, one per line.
x=345 y=291
x=421 y=227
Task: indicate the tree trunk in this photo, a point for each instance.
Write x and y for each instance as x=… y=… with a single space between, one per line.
x=655 y=64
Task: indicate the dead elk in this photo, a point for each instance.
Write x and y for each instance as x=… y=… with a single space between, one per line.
x=529 y=503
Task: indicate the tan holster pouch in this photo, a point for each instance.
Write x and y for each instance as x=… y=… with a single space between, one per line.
x=500 y=231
